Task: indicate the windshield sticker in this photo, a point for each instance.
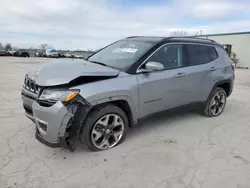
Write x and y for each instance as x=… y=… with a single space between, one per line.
x=129 y=50
x=117 y=50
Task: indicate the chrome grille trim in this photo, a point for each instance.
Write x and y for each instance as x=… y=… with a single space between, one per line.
x=31 y=86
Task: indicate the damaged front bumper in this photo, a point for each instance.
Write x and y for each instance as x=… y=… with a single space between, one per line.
x=57 y=125
x=51 y=122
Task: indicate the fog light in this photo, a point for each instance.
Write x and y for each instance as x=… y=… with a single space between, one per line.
x=42 y=126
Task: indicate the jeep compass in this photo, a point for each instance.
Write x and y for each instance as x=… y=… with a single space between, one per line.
x=97 y=99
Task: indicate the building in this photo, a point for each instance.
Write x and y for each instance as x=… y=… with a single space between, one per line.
x=240 y=45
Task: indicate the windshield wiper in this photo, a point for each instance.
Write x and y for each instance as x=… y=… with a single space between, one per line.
x=100 y=63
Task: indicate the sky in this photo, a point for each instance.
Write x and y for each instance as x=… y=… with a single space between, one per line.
x=92 y=24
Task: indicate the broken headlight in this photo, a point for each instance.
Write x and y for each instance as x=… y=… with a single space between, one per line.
x=53 y=96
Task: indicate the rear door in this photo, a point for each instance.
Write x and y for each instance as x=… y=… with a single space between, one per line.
x=201 y=63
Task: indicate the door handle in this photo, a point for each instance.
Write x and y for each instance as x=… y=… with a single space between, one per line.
x=179 y=75
x=212 y=68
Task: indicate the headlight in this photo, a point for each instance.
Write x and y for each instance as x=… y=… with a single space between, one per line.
x=55 y=95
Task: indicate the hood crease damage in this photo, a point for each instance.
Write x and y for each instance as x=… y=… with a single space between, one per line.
x=65 y=72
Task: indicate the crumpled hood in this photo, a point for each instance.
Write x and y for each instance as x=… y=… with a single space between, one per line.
x=60 y=72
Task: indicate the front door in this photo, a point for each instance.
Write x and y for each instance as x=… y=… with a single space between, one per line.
x=165 y=89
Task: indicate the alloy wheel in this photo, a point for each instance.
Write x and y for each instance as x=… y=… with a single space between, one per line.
x=107 y=131
x=218 y=103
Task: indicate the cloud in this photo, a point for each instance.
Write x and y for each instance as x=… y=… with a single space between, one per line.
x=221 y=10
x=83 y=24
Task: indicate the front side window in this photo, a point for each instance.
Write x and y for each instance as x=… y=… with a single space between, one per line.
x=169 y=55
x=122 y=54
x=197 y=54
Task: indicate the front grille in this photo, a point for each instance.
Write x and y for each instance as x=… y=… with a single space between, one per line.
x=31 y=85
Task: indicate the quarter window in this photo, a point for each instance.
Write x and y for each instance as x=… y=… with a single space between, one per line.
x=197 y=54
x=212 y=53
x=169 y=55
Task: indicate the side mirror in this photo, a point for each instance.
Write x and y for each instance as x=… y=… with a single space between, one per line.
x=154 y=66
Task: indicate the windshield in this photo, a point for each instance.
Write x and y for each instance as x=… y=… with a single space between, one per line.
x=121 y=54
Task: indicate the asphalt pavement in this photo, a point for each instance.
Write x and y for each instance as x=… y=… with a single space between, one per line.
x=182 y=150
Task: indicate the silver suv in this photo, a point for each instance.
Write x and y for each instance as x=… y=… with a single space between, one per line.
x=98 y=98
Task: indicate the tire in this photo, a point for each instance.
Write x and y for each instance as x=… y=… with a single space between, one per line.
x=91 y=126
x=209 y=109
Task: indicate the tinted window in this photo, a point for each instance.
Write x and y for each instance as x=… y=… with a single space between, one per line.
x=169 y=55
x=122 y=54
x=212 y=53
x=197 y=54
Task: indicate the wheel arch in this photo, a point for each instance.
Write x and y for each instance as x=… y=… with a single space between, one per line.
x=226 y=85
x=123 y=102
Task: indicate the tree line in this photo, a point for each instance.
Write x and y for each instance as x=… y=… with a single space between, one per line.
x=7 y=47
x=41 y=47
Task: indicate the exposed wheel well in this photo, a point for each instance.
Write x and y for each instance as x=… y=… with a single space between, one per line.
x=122 y=104
x=226 y=86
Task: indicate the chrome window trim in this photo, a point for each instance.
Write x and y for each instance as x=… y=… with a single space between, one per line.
x=138 y=69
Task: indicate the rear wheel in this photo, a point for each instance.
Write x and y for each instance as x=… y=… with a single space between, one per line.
x=215 y=103
x=104 y=128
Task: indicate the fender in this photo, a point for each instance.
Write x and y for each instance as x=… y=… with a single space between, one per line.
x=134 y=110
x=80 y=109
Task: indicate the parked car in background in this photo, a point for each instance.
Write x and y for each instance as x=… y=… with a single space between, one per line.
x=40 y=54
x=3 y=53
x=61 y=55
x=11 y=52
x=99 y=98
x=16 y=54
x=51 y=53
x=78 y=56
x=21 y=54
x=68 y=55
x=24 y=54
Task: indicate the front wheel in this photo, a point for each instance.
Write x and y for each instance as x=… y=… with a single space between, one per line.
x=215 y=103
x=104 y=128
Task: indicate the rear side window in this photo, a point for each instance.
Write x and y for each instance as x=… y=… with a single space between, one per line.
x=197 y=54
x=212 y=53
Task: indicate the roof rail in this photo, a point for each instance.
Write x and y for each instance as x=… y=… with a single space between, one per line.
x=181 y=37
x=131 y=37
x=194 y=37
x=203 y=39
x=145 y=36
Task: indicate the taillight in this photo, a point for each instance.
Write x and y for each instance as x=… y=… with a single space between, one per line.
x=233 y=66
